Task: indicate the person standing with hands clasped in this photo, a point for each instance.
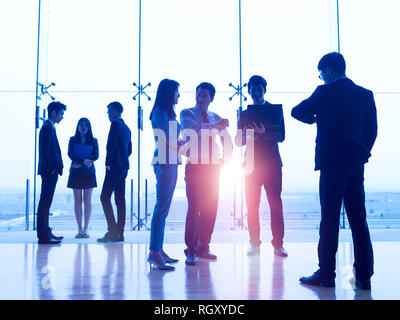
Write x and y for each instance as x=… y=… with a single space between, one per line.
x=83 y=150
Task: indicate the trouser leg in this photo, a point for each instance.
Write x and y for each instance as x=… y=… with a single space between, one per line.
x=331 y=189
x=110 y=181
x=354 y=201
x=48 y=188
x=193 y=194
x=119 y=195
x=253 y=193
x=166 y=181
x=273 y=189
x=209 y=204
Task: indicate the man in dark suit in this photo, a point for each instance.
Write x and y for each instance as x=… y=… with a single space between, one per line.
x=119 y=148
x=50 y=166
x=267 y=171
x=345 y=115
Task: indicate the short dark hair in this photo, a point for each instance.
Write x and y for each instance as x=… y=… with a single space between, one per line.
x=207 y=86
x=334 y=61
x=56 y=106
x=116 y=106
x=256 y=80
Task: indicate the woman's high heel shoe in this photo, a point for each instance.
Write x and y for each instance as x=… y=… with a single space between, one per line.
x=151 y=261
x=167 y=258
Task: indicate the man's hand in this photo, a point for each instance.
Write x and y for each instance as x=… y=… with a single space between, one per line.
x=258 y=129
x=222 y=124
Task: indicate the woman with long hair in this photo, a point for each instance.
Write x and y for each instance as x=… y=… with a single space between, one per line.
x=165 y=164
x=83 y=150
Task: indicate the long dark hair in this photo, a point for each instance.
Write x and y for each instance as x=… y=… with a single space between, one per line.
x=165 y=97
x=89 y=135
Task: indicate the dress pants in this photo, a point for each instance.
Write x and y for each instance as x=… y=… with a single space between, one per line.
x=271 y=179
x=337 y=185
x=166 y=175
x=49 y=182
x=114 y=181
x=202 y=191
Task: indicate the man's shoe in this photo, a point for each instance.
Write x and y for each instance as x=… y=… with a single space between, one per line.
x=52 y=236
x=280 y=252
x=317 y=280
x=207 y=255
x=121 y=238
x=363 y=284
x=253 y=251
x=191 y=259
x=48 y=241
x=109 y=237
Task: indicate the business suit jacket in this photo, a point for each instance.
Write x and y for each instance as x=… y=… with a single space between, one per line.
x=346 y=119
x=49 y=151
x=76 y=160
x=119 y=145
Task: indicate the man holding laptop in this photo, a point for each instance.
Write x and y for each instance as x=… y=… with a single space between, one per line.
x=268 y=124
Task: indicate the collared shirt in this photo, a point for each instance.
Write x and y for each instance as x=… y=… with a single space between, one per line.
x=52 y=123
x=192 y=118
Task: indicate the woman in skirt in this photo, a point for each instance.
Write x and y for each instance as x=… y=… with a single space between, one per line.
x=83 y=150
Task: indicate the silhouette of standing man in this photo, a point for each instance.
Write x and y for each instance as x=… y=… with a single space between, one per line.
x=119 y=148
x=49 y=167
x=345 y=115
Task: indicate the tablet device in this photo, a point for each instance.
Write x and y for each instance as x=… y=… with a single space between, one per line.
x=270 y=115
x=83 y=151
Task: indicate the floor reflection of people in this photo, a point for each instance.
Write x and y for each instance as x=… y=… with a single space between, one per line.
x=362 y=294
x=322 y=293
x=113 y=280
x=156 y=284
x=45 y=272
x=254 y=278
x=199 y=283
x=81 y=283
x=278 y=279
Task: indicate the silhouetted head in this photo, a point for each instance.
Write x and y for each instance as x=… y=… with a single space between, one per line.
x=167 y=97
x=332 y=67
x=257 y=87
x=205 y=93
x=55 y=111
x=84 y=129
x=114 y=110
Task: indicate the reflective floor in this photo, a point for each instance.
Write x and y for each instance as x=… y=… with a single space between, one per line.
x=120 y=271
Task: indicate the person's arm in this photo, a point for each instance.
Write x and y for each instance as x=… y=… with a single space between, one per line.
x=306 y=111
x=112 y=142
x=188 y=122
x=371 y=124
x=276 y=135
x=95 y=153
x=130 y=148
x=45 y=142
x=160 y=121
x=240 y=136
